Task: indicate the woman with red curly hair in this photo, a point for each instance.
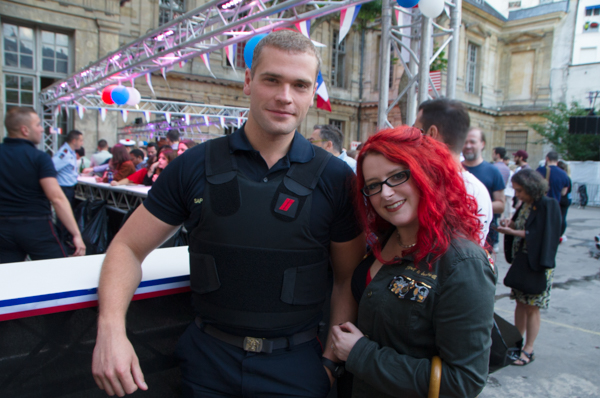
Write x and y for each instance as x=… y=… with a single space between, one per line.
x=427 y=287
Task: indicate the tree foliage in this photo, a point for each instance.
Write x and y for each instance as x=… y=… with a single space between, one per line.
x=556 y=132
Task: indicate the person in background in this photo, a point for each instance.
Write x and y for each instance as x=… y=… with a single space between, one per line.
x=82 y=161
x=173 y=139
x=148 y=175
x=331 y=138
x=565 y=200
x=165 y=157
x=488 y=175
x=151 y=151
x=65 y=162
x=120 y=165
x=506 y=161
x=535 y=227
x=137 y=158
x=498 y=155
x=427 y=287
x=521 y=157
x=28 y=188
x=185 y=145
x=102 y=156
x=558 y=181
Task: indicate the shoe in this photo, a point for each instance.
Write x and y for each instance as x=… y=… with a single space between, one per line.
x=530 y=358
x=496 y=248
x=563 y=238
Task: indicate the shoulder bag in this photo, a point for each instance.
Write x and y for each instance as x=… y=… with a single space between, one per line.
x=520 y=276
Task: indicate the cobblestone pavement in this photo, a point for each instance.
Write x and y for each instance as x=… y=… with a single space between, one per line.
x=567 y=349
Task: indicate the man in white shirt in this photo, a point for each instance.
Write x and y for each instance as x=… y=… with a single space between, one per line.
x=330 y=138
x=102 y=156
x=448 y=121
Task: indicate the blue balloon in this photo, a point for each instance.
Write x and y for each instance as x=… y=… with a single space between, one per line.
x=407 y=3
x=249 y=49
x=120 y=95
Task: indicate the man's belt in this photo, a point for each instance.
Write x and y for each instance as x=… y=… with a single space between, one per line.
x=257 y=344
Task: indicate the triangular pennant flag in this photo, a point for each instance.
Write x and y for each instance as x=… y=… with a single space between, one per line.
x=124 y=112
x=230 y=53
x=187 y=119
x=207 y=63
x=222 y=120
x=103 y=114
x=347 y=18
x=322 y=95
x=56 y=110
x=149 y=82
x=206 y=122
x=147 y=116
x=397 y=12
x=239 y=122
x=304 y=28
x=132 y=83
x=80 y=111
x=182 y=62
x=168 y=117
x=164 y=73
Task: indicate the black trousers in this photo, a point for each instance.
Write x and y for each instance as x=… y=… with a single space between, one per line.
x=63 y=232
x=213 y=368
x=33 y=236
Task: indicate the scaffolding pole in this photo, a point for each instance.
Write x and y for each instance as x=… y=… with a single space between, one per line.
x=452 y=74
x=384 y=65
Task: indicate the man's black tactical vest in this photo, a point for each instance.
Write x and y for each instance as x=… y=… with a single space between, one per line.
x=254 y=263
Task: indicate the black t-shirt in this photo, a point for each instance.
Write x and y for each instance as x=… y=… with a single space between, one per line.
x=22 y=166
x=176 y=196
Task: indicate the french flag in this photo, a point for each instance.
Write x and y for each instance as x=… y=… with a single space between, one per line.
x=304 y=28
x=322 y=95
x=347 y=18
x=230 y=52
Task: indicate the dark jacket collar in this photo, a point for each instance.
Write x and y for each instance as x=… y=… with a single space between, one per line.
x=9 y=140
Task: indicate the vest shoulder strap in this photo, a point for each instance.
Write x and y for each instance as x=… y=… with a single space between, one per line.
x=302 y=178
x=220 y=165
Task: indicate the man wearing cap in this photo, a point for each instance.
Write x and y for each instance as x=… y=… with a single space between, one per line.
x=267 y=214
x=521 y=160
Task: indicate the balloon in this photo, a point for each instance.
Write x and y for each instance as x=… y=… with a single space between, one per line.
x=119 y=95
x=106 y=94
x=249 y=49
x=407 y=3
x=134 y=96
x=431 y=8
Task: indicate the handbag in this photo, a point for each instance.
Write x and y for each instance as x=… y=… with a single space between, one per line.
x=520 y=276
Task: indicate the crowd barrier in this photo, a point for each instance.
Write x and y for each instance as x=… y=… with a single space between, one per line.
x=48 y=312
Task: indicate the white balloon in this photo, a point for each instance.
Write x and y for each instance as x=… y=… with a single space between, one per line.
x=431 y=8
x=134 y=96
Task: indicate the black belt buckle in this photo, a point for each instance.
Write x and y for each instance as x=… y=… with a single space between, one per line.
x=253 y=344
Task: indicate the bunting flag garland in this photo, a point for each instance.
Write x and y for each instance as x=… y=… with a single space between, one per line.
x=164 y=72
x=206 y=122
x=347 y=18
x=103 y=114
x=168 y=117
x=124 y=112
x=149 y=82
x=222 y=120
x=187 y=119
x=230 y=53
x=80 y=111
x=207 y=63
x=304 y=28
x=322 y=95
x=147 y=116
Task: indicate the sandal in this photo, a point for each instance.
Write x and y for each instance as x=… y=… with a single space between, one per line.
x=530 y=358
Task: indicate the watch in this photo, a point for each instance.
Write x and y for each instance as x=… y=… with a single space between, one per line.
x=337 y=369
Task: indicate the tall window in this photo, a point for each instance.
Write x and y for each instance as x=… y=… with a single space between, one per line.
x=338 y=60
x=33 y=59
x=515 y=140
x=471 y=78
x=169 y=10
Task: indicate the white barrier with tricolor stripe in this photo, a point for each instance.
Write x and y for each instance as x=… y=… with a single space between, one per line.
x=41 y=287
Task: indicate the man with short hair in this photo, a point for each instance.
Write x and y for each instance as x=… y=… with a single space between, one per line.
x=65 y=162
x=521 y=157
x=487 y=174
x=558 y=180
x=29 y=187
x=448 y=121
x=137 y=158
x=267 y=213
x=173 y=139
x=330 y=138
x=151 y=150
x=102 y=156
x=498 y=154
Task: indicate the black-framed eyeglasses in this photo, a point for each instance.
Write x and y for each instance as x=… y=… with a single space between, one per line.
x=393 y=181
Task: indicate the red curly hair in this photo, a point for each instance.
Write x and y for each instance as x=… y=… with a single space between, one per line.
x=445 y=209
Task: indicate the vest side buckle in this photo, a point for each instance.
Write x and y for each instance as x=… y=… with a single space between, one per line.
x=253 y=344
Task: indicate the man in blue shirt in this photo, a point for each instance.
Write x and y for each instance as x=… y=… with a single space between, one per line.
x=29 y=186
x=267 y=214
x=65 y=162
x=488 y=174
x=558 y=180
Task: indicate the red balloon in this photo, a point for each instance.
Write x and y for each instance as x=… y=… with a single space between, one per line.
x=106 y=94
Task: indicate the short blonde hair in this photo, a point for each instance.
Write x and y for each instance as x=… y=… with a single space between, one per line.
x=16 y=117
